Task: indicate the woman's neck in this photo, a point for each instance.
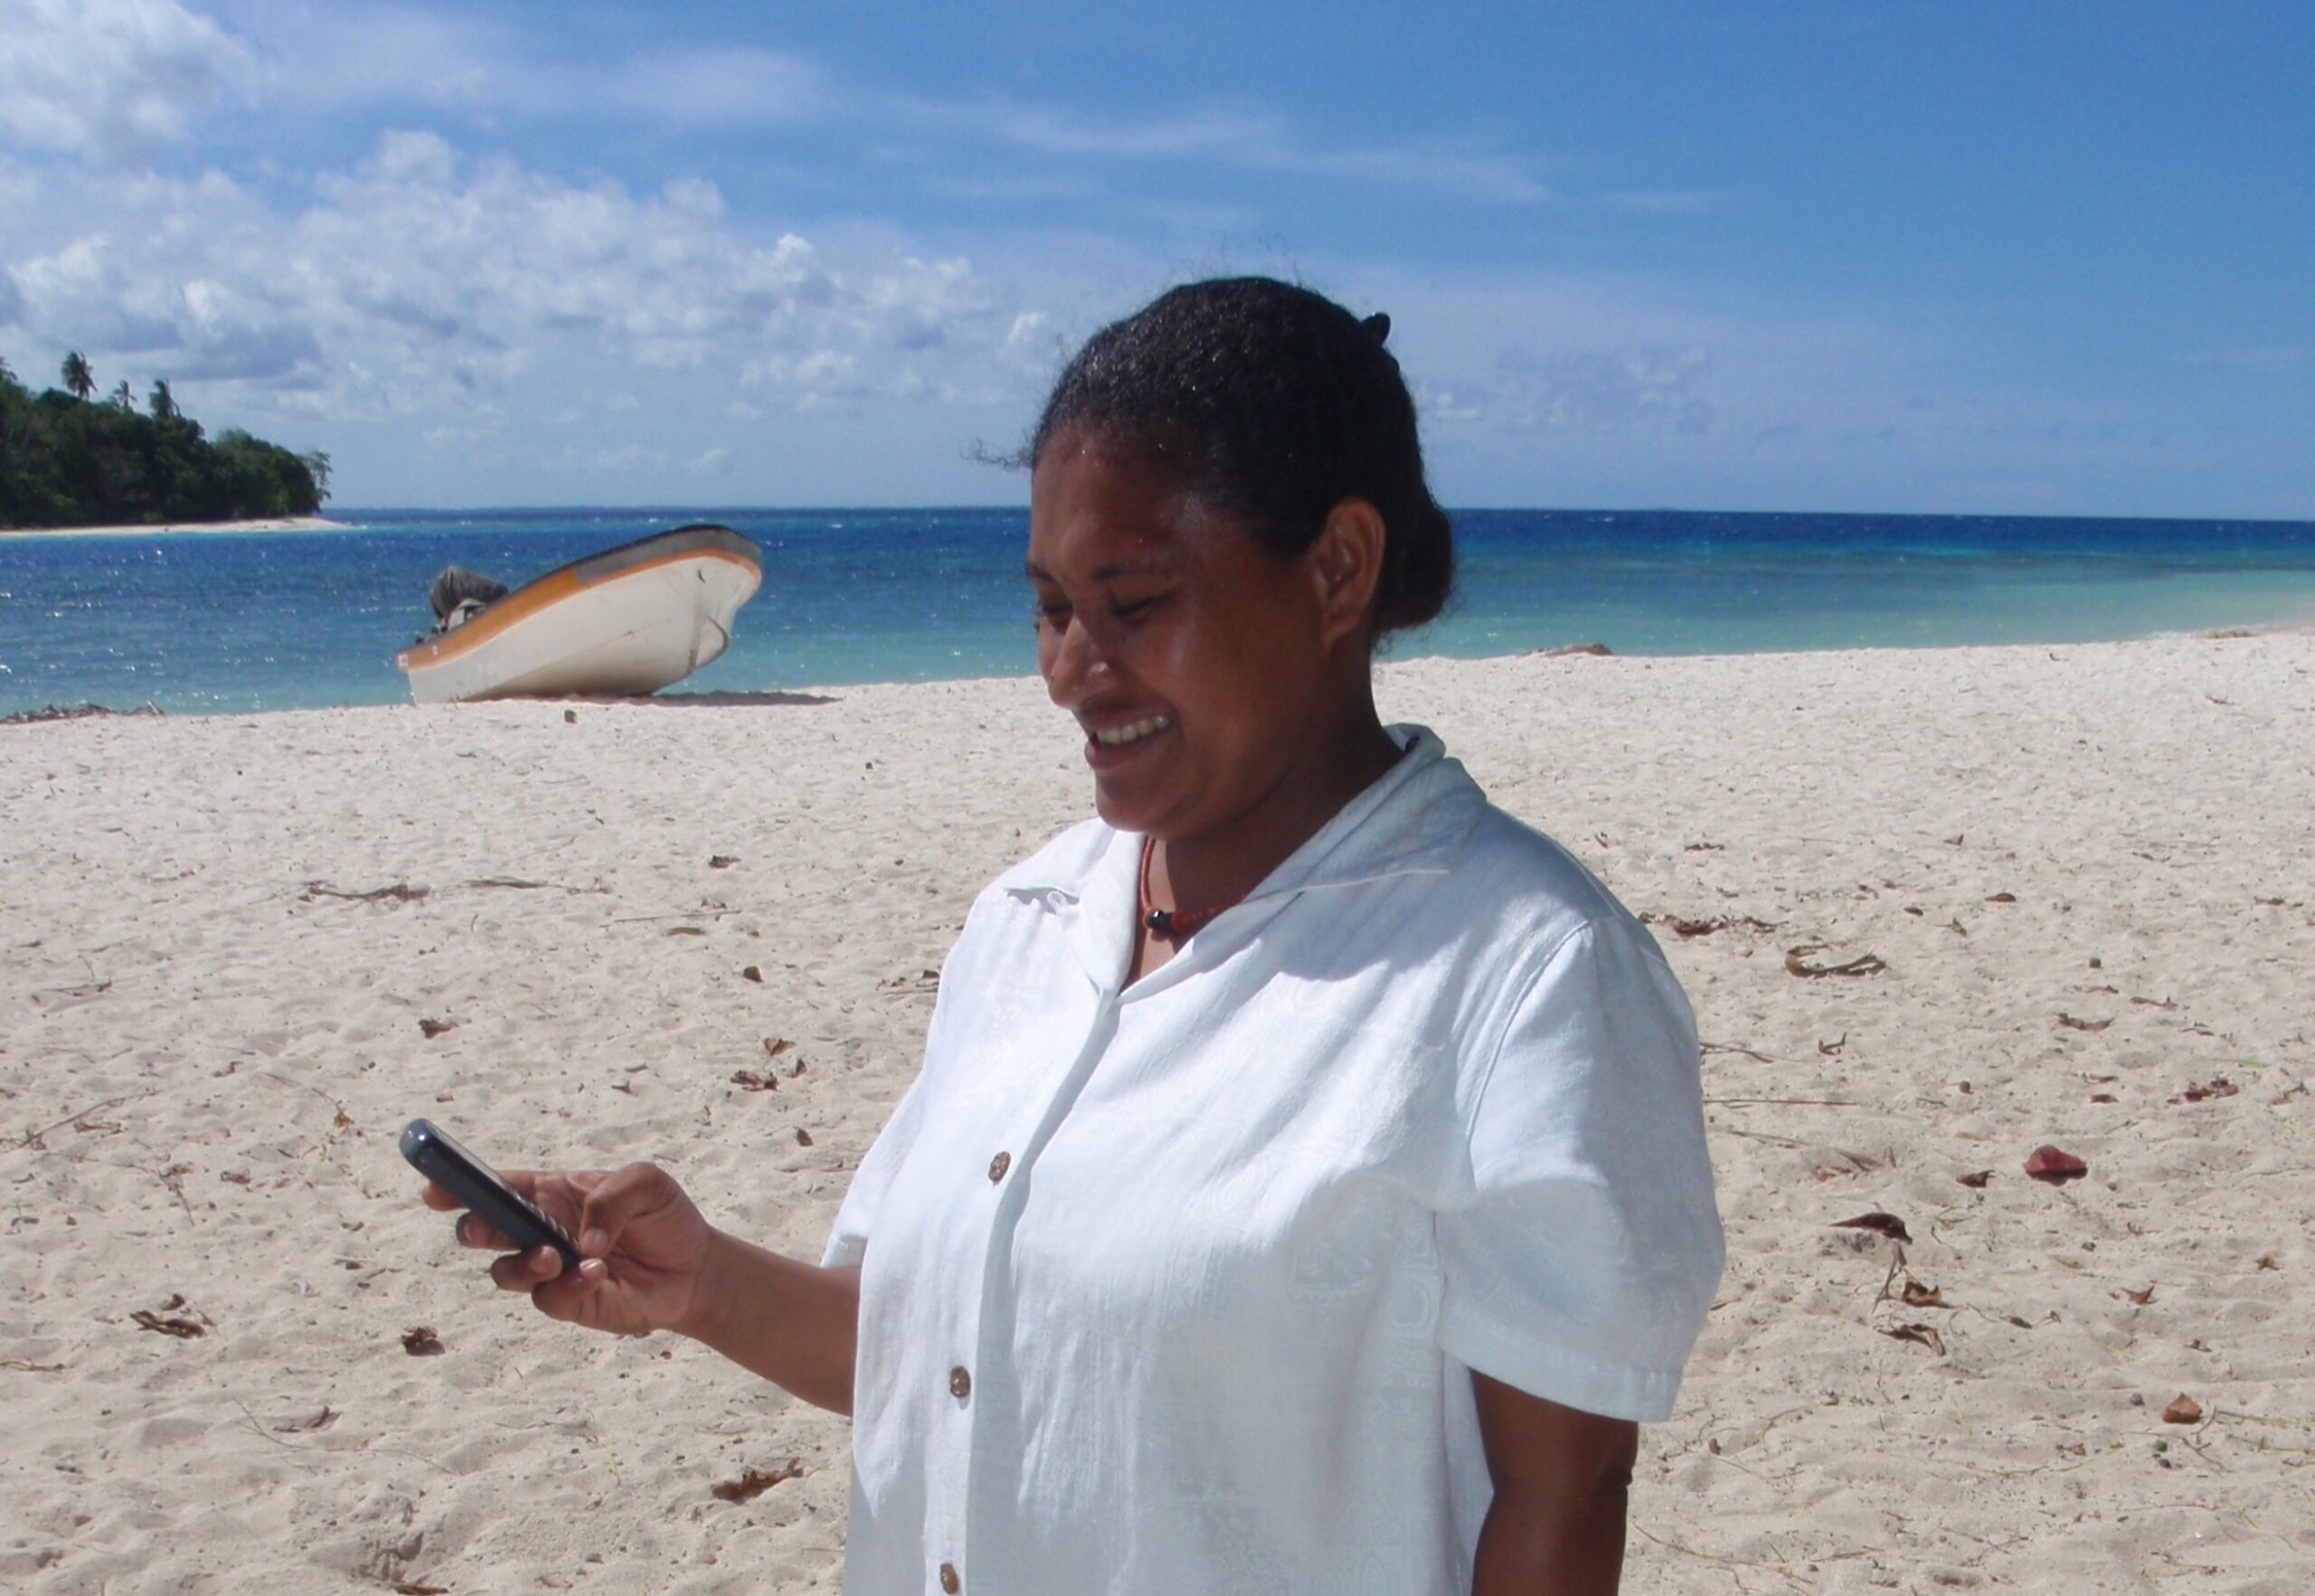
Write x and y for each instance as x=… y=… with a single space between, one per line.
x=1193 y=873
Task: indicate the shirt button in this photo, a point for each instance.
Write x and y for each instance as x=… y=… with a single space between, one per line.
x=999 y=1166
x=948 y=1580
x=960 y=1383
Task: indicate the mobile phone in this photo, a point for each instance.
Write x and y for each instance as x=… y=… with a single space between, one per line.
x=435 y=1154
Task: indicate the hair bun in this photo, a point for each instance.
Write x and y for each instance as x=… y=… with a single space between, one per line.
x=1376 y=327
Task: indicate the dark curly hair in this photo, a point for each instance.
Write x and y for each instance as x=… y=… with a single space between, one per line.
x=1274 y=404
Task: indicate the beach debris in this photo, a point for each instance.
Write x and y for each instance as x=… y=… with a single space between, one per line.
x=2102 y=1097
x=2183 y=1410
x=28 y=1368
x=1685 y=928
x=686 y=930
x=1957 y=839
x=417 y=1587
x=423 y=1342
x=399 y=891
x=570 y=717
x=1705 y=847
x=1863 y=964
x=2216 y=1086
x=2003 y=898
x=2269 y=1260
x=2050 y=1164
x=2073 y=1023
x=1916 y=1295
x=722 y=861
x=1832 y=1049
x=321 y=1421
x=1575 y=650
x=2166 y=1004
x=773 y=1046
x=1924 y=1335
x=177 y=1325
x=434 y=1028
x=1976 y=1180
x=1956 y=926
x=513 y=882
x=748 y=1081
x=1885 y=1224
x=754 y=1482
x=803 y=1137
x=2140 y=1298
x=752 y=973
x=74 y=711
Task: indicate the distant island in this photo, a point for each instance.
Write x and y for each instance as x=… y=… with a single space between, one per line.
x=69 y=460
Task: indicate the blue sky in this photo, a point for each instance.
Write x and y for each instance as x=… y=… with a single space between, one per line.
x=1982 y=259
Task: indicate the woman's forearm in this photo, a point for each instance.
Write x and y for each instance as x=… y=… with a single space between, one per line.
x=1552 y=1548
x=794 y=1322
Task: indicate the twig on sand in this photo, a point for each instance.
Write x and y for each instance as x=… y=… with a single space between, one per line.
x=400 y=891
x=1731 y=1047
x=1810 y=1102
x=1785 y=1575
x=32 y=1138
x=686 y=915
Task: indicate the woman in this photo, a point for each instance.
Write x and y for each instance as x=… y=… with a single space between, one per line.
x=1305 y=1189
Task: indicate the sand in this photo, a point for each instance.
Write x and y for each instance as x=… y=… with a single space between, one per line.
x=181 y=528
x=2089 y=872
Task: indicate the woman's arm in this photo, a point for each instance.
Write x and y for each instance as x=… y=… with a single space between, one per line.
x=649 y=1262
x=1561 y=1479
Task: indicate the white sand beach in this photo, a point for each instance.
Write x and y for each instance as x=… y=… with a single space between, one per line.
x=2076 y=885
x=181 y=528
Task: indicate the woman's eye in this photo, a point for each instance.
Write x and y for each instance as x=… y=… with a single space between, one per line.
x=1127 y=610
x=1044 y=614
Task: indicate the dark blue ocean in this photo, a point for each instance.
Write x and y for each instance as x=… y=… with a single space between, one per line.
x=227 y=622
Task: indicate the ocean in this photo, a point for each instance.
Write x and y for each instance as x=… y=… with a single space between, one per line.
x=218 y=623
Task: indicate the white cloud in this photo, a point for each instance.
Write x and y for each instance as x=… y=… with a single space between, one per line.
x=113 y=80
x=711 y=462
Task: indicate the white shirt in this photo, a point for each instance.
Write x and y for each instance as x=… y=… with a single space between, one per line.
x=1175 y=1287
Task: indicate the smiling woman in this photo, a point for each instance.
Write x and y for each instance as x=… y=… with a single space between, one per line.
x=1305 y=1188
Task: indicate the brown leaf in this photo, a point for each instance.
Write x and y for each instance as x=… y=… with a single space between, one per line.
x=570 y=717
x=434 y=1028
x=411 y=1587
x=1957 y=927
x=421 y=1342
x=1926 y=1334
x=2183 y=1410
x=2141 y=1298
x=2049 y=1164
x=2003 y=898
x=755 y=1482
x=2218 y=1086
x=776 y=1046
x=1863 y=964
x=341 y=1120
x=2071 y=1024
x=748 y=1080
x=1887 y=1224
x=1976 y=1180
x=803 y=1137
x=183 y=1329
x=722 y=861
x=686 y=930
x=751 y=973
x=2101 y=1097
x=1916 y=1295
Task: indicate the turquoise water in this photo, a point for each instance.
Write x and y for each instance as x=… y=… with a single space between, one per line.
x=213 y=623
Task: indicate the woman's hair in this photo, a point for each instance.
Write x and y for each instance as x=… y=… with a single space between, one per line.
x=1272 y=405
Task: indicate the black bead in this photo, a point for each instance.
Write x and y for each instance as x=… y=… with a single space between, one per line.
x=1160 y=922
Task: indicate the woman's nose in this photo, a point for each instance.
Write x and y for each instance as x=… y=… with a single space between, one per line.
x=1074 y=662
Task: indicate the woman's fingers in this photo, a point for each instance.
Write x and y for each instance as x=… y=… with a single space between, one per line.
x=526 y=1272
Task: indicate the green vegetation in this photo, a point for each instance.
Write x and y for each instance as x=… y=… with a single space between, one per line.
x=67 y=460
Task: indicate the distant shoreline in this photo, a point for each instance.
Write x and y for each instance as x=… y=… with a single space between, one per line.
x=181 y=528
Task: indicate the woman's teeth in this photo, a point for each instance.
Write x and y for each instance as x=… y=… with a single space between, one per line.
x=1133 y=733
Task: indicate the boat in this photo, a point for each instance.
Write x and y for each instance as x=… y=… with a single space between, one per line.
x=628 y=621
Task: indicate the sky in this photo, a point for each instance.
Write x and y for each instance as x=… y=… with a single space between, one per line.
x=2055 y=258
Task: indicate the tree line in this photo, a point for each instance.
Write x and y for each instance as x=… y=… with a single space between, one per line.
x=67 y=459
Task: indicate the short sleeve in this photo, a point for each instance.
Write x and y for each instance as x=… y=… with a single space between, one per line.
x=1581 y=1263
x=857 y=1218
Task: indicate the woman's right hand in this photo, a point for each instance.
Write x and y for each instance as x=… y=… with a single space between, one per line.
x=644 y=1249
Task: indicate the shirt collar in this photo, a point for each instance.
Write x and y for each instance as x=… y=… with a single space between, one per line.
x=1413 y=820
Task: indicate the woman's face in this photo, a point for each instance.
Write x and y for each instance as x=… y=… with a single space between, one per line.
x=1196 y=661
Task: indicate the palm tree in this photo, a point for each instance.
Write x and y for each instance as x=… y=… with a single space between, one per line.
x=122 y=399
x=165 y=403
x=79 y=380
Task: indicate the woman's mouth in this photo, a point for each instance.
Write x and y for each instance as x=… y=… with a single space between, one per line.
x=1118 y=736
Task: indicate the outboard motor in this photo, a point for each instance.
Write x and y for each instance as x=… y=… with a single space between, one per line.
x=458 y=595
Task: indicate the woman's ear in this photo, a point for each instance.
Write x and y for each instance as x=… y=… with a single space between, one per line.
x=1347 y=563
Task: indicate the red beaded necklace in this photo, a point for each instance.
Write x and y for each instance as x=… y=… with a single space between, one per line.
x=1175 y=925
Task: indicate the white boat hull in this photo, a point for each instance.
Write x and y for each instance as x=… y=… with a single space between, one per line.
x=629 y=621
